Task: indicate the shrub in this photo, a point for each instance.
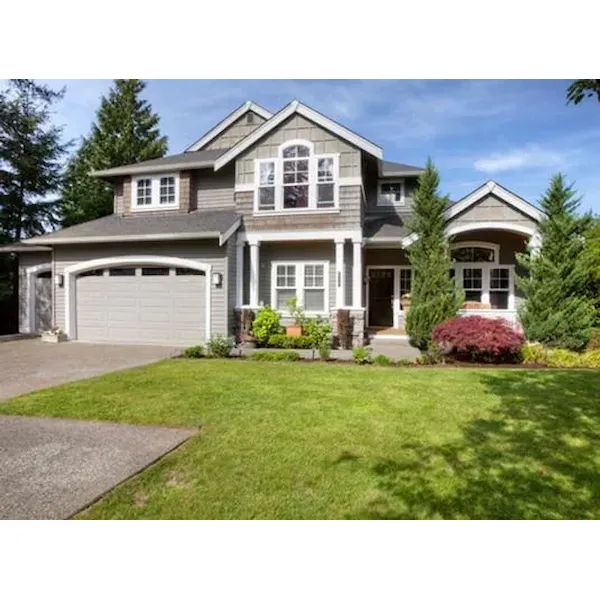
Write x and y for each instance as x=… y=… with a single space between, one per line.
x=299 y=342
x=362 y=356
x=433 y=355
x=194 y=352
x=479 y=339
x=325 y=350
x=296 y=311
x=594 y=343
x=219 y=346
x=382 y=360
x=319 y=331
x=534 y=354
x=344 y=327
x=266 y=324
x=266 y=356
x=404 y=362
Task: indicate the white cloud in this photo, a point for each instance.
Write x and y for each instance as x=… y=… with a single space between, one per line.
x=528 y=157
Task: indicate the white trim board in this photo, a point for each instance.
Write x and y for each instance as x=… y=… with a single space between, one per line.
x=71 y=272
x=491 y=187
x=30 y=274
x=299 y=235
x=227 y=121
x=296 y=107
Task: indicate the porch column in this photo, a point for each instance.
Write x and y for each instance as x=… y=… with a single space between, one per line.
x=254 y=270
x=357 y=275
x=239 y=274
x=340 y=274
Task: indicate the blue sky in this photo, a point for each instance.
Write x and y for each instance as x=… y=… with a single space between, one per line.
x=515 y=132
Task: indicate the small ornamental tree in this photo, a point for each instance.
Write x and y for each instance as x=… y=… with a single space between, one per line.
x=557 y=311
x=434 y=297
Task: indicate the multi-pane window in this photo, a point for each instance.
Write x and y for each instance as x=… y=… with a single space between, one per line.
x=155 y=192
x=325 y=182
x=499 y=287
x=285 y=286
x=266 y=186
x=405 y=281
x=167 y=190
x=391 y=193
x=307 y=282
x=472 y=284
x=473 y=254
x=144 y=192
x=296 y=180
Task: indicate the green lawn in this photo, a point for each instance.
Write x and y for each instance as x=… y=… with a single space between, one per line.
x=318 y=441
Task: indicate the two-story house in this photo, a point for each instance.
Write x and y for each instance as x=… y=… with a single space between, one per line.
x=263 y=207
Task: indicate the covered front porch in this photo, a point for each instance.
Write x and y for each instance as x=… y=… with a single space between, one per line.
x=484 y=267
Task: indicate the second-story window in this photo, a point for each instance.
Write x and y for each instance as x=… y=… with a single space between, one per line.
x=155 y=192
x=296 y=180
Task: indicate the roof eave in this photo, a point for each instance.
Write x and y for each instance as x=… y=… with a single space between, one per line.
x=107 y=239
x=111 y=174
x=9 y=248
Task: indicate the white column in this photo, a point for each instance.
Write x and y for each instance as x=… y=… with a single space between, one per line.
x=239 y=274
x=340 y=274
x=357 y=275
x=254 y=270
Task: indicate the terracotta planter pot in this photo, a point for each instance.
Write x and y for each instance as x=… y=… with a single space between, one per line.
x=293 y=330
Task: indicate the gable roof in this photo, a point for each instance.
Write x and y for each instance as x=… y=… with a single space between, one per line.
x=296 y=107
x=227 y=121
x=176 y=162
x=491 y=187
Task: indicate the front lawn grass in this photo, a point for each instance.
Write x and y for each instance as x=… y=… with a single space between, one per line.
x=326 y=441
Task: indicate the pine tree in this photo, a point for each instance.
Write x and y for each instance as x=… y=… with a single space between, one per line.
x=434 y=297
x=557 y=311
x=126 y=131
x=30 y=171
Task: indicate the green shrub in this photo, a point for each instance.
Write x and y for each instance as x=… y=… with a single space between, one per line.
x=194 y=352
x=560 y=357
x=318 y=330
x=325 y=350
x=432 y=356
x=298 y=342
x=382 y=360
x=591 y=358
x=266 y=324
x=362 y=355
x=296 y=311
x=219 y=346
x=266 y=356
x=534 y=354
x=594 y=343
x=404 y=362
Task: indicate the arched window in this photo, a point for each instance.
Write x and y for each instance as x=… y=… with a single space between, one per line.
x=297 y=179
x=474 y=252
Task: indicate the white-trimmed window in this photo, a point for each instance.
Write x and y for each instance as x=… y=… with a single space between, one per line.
x=297 y=180
x=500 y=285
x=391 y=193
x=156 y=192
x=306 y=281
x=473 y=284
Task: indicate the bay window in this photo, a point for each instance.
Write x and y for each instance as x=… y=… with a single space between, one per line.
x=306 y=281
x=296 y=180
x=155 y=192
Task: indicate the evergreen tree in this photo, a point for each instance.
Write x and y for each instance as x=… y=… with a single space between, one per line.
x=592 y=252
x=557 y=311
x=126 y=131
x=30 y=171
x=434 y=297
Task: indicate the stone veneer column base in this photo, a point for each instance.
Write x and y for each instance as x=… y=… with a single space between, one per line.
x=358 y=325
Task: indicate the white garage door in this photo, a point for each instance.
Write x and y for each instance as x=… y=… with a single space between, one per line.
x=159 y=305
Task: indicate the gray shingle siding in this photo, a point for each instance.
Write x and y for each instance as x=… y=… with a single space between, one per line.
x=213 y=191
x=237 y=131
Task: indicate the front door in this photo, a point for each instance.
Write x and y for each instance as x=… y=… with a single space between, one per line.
x=381 y=297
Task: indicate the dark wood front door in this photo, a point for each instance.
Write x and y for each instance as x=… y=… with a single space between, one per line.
x=381 y=296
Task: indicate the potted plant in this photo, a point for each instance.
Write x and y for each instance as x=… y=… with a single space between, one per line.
x=54 y=335
x=248 y=340
x=405 y=301
x=297 y=313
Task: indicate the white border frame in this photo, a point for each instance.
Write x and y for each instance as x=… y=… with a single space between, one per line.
x=300 y=288
x=71 y=272
x=381 y=182
x=155 y=187
x=31 y=274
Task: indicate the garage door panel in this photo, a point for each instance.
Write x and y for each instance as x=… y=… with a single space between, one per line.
x=150 y=309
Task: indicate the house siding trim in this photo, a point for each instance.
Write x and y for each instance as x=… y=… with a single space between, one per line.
x=30 y=274
x=71 y=272
x=300 y=235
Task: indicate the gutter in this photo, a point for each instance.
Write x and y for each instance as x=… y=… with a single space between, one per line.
x=104 y=239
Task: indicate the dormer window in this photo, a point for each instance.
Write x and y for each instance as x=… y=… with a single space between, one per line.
x=297 y=180
x=391 y=193
x=155 y=192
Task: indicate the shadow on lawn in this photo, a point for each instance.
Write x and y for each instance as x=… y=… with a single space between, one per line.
x=536 y=457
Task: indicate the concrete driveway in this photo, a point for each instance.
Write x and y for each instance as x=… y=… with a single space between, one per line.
x=28 y=365
x=53 y=468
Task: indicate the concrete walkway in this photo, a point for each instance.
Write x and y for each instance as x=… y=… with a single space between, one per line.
x=52 y=468
x=28 y=365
